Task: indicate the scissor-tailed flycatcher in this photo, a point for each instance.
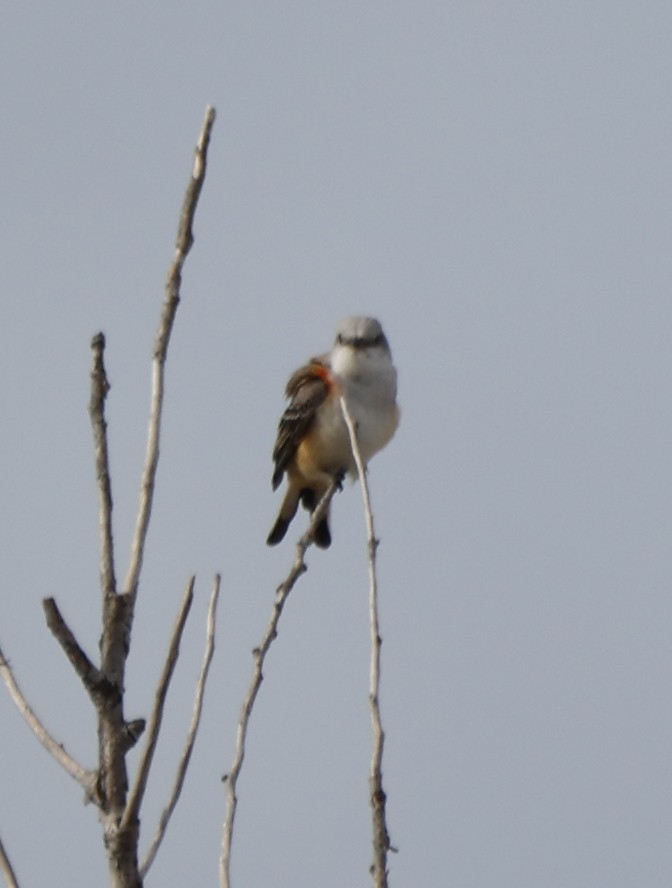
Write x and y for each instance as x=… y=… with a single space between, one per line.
x=313 y=444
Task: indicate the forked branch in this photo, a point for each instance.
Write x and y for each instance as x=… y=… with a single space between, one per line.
x=121 y=813
x=108 y=786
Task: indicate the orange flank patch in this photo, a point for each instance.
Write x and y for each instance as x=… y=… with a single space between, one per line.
x=323 y=373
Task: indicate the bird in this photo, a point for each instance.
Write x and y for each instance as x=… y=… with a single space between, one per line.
x=313 y=446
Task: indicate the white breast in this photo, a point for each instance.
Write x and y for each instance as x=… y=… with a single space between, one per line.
x=368 y=380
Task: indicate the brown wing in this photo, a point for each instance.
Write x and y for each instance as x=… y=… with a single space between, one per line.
x=306 y=389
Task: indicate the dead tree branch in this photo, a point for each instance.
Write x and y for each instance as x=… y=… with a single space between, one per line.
x=86 y=779
x=185 y=240
x=381 y=838
x=191 y=735
x=6 y=868
x=91 y=677
x=154 y=725
x=108 y=787
x=120 y=814
x=99 y=389
x=259 y=656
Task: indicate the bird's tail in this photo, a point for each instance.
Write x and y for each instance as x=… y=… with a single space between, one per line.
x=309 y=500
x=287 y=512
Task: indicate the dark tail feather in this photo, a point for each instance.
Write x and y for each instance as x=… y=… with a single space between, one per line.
x=278 y=531
x=309 y=501
x=322 y=534
x=287 y=512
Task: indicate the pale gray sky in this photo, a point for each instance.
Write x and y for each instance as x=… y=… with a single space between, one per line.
x=492 y=180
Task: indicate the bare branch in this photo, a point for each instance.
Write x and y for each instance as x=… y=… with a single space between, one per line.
x=259 y=655
x=99 y=389
x=86 y=779
x=92 y=678
x=6 y=868
x=381 y=838
x=119 y=810
x=183 y=245
x=191 y=735
x=154 y=725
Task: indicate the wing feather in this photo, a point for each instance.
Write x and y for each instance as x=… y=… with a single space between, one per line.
x=307 y=389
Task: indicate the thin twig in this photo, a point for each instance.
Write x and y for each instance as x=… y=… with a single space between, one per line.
x=193 y=730
x=92 y=678
x=154 y=724
x=6 y=868
x=99 y=389
x=86 y=779
x=259 y=655
x=183 y=245
x=381 y=838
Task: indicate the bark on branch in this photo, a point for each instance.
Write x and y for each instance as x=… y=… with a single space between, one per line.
x=86 y=779
x=185 y=240
x=381 y=838
x=99 y=389
x=191 y=734
x=140 y=785
x=259 y=656
x=92 y=678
